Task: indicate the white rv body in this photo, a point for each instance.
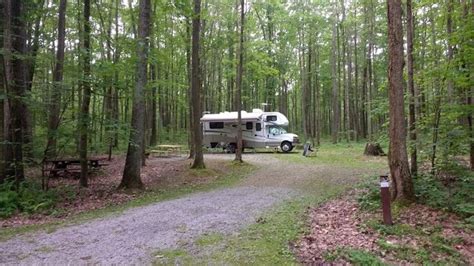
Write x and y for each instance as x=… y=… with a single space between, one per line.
x=259 y=130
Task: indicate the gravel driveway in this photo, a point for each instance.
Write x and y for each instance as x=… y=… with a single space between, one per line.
x=132 y=237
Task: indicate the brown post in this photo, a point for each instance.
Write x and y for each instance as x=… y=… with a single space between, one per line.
x=385 y=197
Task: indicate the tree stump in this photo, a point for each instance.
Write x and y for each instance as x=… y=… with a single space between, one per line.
x=373 y=149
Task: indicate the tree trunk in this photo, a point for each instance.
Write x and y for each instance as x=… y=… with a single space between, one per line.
x=55 y=102
x=131 y=174
x=3 y=86
x=335 y=86
x=17 y=87
x=411 y=89
x=373 y=149
x=196 y=88
x=32 y=50
x=115 y=93
x=449 y=31
x=238 y=85
x=154 y=132
x=190 y=89
x=86 y=96
x=398 y=159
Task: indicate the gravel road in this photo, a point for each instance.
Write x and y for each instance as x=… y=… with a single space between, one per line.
x=133 y=236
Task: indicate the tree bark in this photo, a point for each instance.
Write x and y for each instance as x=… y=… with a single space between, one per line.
x=196 y=87
x=55 y=101
x=32 y=50
x=3 y=95
x=190 y=89
x=16 y=11
x=411 y=89
x=86 y=95
x=238 y=85
x=335 y=86
x=398 y=159
x=449 y=31
x=131 y=174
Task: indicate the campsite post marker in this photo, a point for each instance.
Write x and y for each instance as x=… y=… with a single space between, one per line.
x=385 y=197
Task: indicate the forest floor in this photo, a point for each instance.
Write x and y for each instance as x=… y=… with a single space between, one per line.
x=341 y=232
x=256 y=218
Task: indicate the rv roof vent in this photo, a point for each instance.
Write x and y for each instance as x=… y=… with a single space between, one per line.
x=256 y=110
x=206 y=112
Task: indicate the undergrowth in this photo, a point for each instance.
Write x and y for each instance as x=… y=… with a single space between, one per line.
x=453 y=191
x=28 y=197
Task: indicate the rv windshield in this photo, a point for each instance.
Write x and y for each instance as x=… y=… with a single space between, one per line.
x=276 y=130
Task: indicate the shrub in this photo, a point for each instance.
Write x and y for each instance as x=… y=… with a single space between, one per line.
x=457 y=196
x=28 y=197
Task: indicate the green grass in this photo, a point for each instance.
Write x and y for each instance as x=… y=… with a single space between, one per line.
x=354 y=256
x=237 y=172
x=347 y=155
x=209 y=239
x=396 y=229
x=172 y=257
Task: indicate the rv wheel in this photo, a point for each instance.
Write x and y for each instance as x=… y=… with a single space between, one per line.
x=286 y=146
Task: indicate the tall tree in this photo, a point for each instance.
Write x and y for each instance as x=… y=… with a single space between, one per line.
x=131 y=174
x=196 y=87
x=411 y=89
x=335 y=117
x=189 y=73
x=397 y=155
x=238 y=84
x=3 y=95
x=16 y=89
x=86 y=93
x=55 y=103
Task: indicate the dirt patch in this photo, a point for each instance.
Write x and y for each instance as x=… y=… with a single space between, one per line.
x=159 y=173
x=420 y=234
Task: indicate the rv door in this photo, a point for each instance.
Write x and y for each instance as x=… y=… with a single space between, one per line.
x=258 y=138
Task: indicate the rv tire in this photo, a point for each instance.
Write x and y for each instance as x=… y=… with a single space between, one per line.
x=286 y=146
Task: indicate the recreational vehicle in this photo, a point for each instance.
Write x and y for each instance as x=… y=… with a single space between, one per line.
x=259 y=130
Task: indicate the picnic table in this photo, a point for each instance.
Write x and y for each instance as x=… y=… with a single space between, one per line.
x=56 y=167
x=167 y=150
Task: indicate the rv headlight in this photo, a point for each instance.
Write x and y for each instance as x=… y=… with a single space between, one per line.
x=296 y=140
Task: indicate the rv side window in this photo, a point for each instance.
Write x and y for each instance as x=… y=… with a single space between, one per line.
x=249 y=125
x=214 y=125
x=271 y=118
x=258 y=127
